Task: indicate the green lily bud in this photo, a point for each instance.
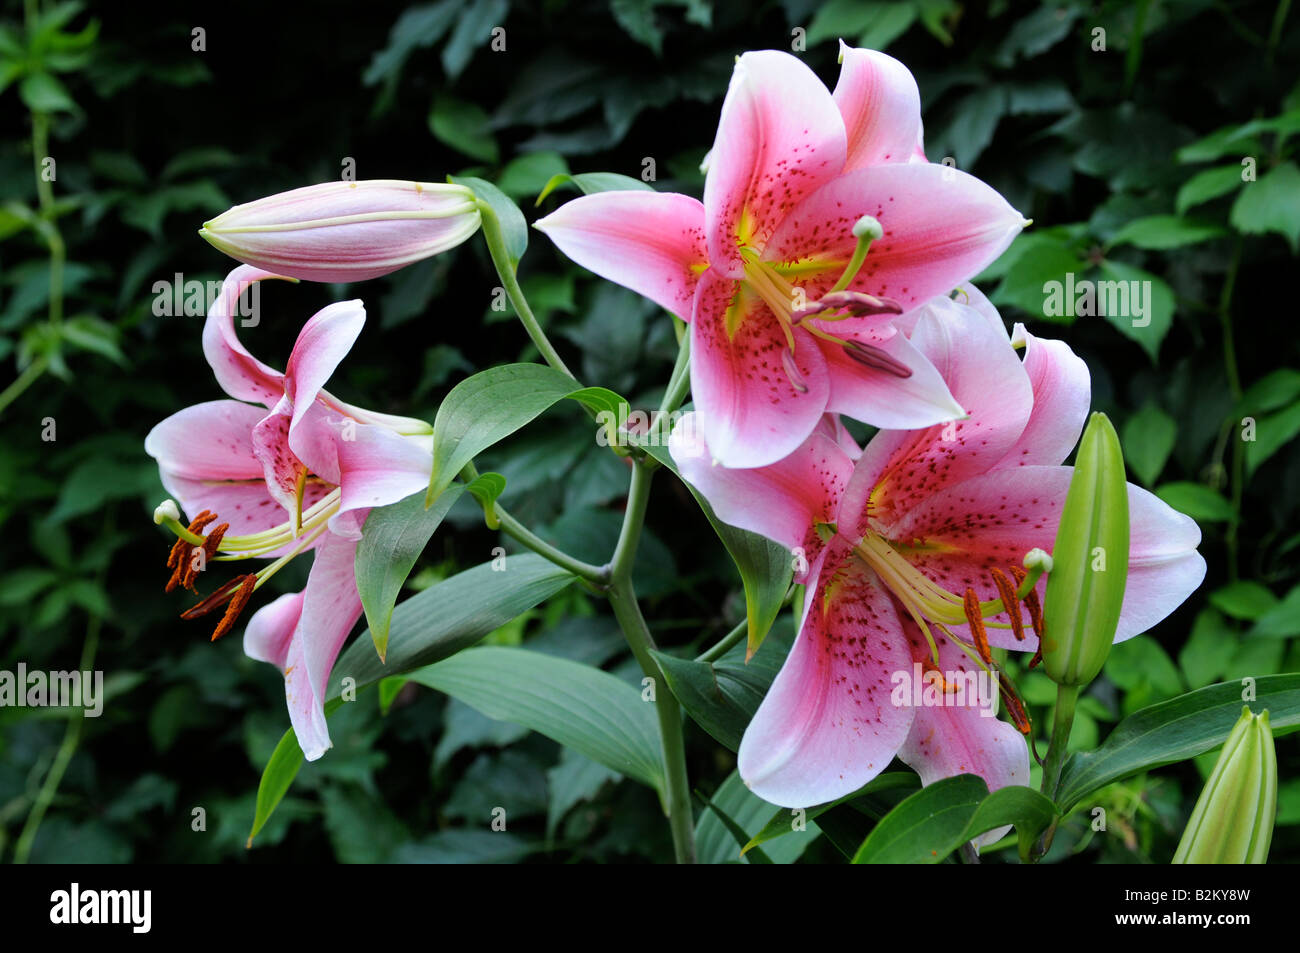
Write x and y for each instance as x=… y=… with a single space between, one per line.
x=1232 y=822
x=1085 y=588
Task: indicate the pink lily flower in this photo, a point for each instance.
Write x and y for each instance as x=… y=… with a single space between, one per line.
x=346 y=231
x=299 y=473
x=819 y=223
x=915 y=552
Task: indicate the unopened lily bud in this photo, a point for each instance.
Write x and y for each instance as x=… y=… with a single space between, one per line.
x=1085 y=588
x=346 y=231
x=1232 y=822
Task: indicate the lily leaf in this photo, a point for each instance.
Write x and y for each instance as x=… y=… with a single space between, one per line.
x=936 y=820
x=1177 y=730
x=581 y=707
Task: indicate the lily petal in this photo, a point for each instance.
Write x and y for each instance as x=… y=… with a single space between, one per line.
x=783 y=501
x=780 y=137
x=955 y=739
x=828 y=725
x=372 y=465
x=208 y=441
x=1062 y=396
x=280 y=466
x=650 y=242
x=886 y=400
x=330 y=609
x=881 y=106
x=322 y=343
x=751 y=413
x=270 y=631
x=899 y=469
x=941 y=226
x=957 y=535
x=240 y=375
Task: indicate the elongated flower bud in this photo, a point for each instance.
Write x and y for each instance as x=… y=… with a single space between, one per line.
x=1232 y=822
x=1085 y=589
x=346 y=231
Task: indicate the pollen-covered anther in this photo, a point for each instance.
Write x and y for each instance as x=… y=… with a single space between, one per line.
x=234 y=595
x=181 y=556
x=1033 y=604
x=928 y=666
x=1010 y=602
x=1015 y=707
x=872 y=356
x=975 y=617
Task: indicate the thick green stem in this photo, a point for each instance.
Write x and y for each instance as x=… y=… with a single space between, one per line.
x=1062 y=722
x=677 y=797
x=622 y=597
x=501 y=259
x=1066 y=696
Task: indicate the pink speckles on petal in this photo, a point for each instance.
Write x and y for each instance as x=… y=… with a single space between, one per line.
x=828 y=724
x=780 y=138
x=750 y=412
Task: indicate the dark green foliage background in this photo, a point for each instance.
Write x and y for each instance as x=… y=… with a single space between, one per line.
x=154 y=137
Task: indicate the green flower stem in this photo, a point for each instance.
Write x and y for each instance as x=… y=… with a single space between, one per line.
x=25 y=380
x=726 y=643
x=522 y=534
x=496 y=244
x=622 y=597
x=71 y=739
x=1236 y=478
x=1066 y=697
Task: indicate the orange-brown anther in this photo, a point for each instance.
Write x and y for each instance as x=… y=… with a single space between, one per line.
x=971 y=604
x=928 y=666
x=1015 y=708
x=215 y=601
x=236 y=606
x=1032 y=603
x=181 y=554
x=1010 y=603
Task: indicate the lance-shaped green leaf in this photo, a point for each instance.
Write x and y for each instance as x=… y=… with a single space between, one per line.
x=430 y=626
x=1232 y=822
x=1178 y=730
x=391 y=542
x=452 y=615
x=581 y=707
x=784 y=821
x=1085 y=587
x=491 y=405
x=722 y=696
x=593 y=182
x=935 y=821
